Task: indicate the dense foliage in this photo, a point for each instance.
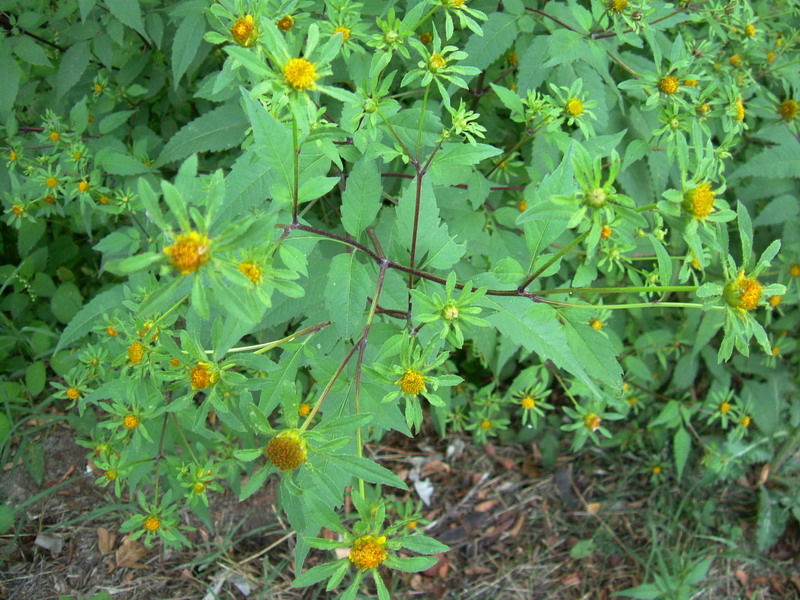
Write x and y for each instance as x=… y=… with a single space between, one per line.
x=244 y=238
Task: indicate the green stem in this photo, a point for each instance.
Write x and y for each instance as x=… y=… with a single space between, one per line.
x=646 y=207
x=397 y=137
x=328 y=387
x=557 y=256
x=620 y=290
x=185 y=440
x=173 y=307
x=514 y=148
x=788 y=446
x=261 y=348
x=634 y=305
x=422 y=118
x=426 y=17
x=296 y=156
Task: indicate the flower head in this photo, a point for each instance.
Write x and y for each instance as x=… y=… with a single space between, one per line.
x=739 y=110
x=436 y=62
x=152 y=523
x=743 y=293
x=244 y=31
x=774 y=301
x=201 y=377
x=73 y=393
x=618 y=5
x=300 y=74
x=794 y=270
x=189 y=252
x=130 y=421
x=55 y=136
x=699 y=201
x=412 y=382
x=344 y=31
x=788 y=109
x=690 y=82
x=592 y=421
x=287 y=450
x=528 y=402
x=135 y=353
x=605 y=232
x=750 y=30
x=368 y=552
x=668 y=85
x=51 y=182
x=83 y=186
x=251 y=270
x=596 y=324
x=425 y=37
x=574 y=107
x=286 y=23
x=304 y=409
x=735 y=60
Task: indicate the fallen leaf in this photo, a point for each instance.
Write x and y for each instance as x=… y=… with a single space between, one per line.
x=129 y=553
x=742 y=577
x=514 y=531
x=593 y=507
x=105 y=540
x=440 y=568
x=572 y=579
x=486 y=505
x=53 y=543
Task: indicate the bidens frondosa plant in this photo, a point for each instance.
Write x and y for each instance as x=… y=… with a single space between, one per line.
x=267 y=234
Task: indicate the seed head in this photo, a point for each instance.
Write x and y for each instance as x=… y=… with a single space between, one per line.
x=412 y=382
x=368 y=552
x=189 y=252
x=699 y=201
x=287 y=450
x=300 y=74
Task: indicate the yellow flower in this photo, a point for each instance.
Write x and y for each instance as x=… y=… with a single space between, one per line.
x=83 y=186
x=596 y=324
x=426 y=38
x=690 y=82
x=512 y=58
x=618 y=5
x=788 y=109
x=51 y=182
x=130 y=422
x=743 y=293
x=774 y=301
x=135 y=353
x=110 y=331
x=702 y=109
x=456 y=3
x=740 y=112
x=412 y=382
x=286 y=23
x=287 y=450
x=244 y=31
x=528 y=402
x=152 y=523
x=104 y=199
x=18 y=210
x=98 y=88
x=656 y=470
x=251 y=270
x=592 y=422
x=55 y=136
x=744 y=421
x=750 y=30
x=725 y=408
x=201 y=377
x=574 y=107
x=111 y=474
x=605 y=232
x=735 y=61
x=199 y=487
x=73 y=393
x=770 y=56
x=668 y=85
x=344 y=31
x=633 y=400
x=304 y=409
x=76 y=155
x=776 y=351
x=12 y=156
x=368 y=552
x=522 y=205
x=450 y=312
x=49 y=199
x=189 y=252
x=699 y=201
x=436 y=62
x=486 y=424
x=300 y=74
x=174 y=362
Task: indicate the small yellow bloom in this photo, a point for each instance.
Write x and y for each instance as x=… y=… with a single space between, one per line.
x=725 y=408
x=574 y=107
x=436 y=62
x=344 y=31
x=77 y=155
x=522 y=205
x=286 y=23
x=49 y=199
x=750 y=30
x=98 y=88
x=592 y=422
x=412 y=382
x=633 y=400
x=744 y=421
x=702 y=109
x=130 y=421
x=244 y=31
x=110 y=331
x=300 y=74
x=55 y=136
x=111 y=474
x=12 y=156
x=426 y=38
x=605 y=232
x=656 y=470
x=794 y=270
x=201 y=377
x=83 y=186
x=512 y=58
x=774 y=301
x=618 y=5
x=135 y=353
x=189 y=252
x=486 y=424
x=699 y=201
x=73 y=393
x=690 y=82
x=152 y=523
x=735 y=61
x=668 y=85
x=51 y=182
x=776 y=351
x=740 y=112
x=174 y=362
x=770 y=56
x=596 y=324
x=104 y=199
x=199 y=487
x=788 y=109
x=251 y=270
x=18 y=209
x=743 y=293
x=528 y=402
x=368 y=552
x=411 y=525
x=304 y=410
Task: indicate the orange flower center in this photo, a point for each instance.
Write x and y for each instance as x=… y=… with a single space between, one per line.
x=368 y=552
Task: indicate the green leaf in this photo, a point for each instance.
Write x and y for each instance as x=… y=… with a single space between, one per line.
x=187 y=41
x=368 y=470
x=421 y=543
x=346 y=293
x=771 y=522
x=682 y=445
x=282 y=380
x=462 y=154
x=7 y=514
x=593 y=350
x=71 y=68
x=35 y=376
x=255 y=482
x=745 y=233
x=128 y=13
x=66 y=302
x=499 y=32
x=317 y=574
x=273 y=140
x=772 y=163
x=664 y=261
x=648 y=591
x=361 y=199
x=88 y=316
x=133 y=263
x=248 y=455
x=11 y=74
x=218 y=129
x=116 y=163
x=114 y=120
x=414 y=564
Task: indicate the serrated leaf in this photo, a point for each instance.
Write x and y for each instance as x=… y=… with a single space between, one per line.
x=682 y=445
x=71 y=68
x=346 y=293
x=216 y=130
x=368 y=470
x=592 y=350
x=422 y=544
x=129 y=13
x=361 y=199
x=772 y=163
x=499 y=32
x=274 y=141
x=88 y=316
x=187 y=41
